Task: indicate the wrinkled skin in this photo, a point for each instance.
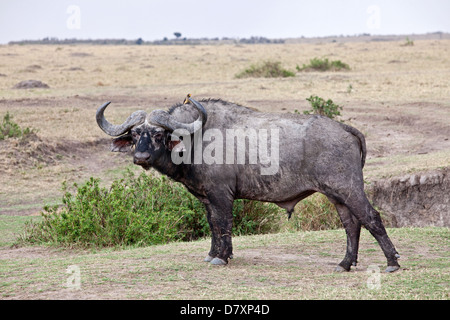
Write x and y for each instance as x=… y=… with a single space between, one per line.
x=316 y=154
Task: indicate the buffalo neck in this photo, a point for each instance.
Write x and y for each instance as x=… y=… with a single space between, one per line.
x=165 y=165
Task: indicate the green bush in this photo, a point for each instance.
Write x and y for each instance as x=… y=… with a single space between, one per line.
x=325 y=108
x=318 y=64
x=137 y=211
x=10 y=129
x=255 y=217
x=337 y=65
x=267 y=69
x=408 y=42
x=314 y=213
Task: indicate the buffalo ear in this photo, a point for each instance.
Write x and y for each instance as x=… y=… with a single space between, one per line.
x=175 y=145
x=122 y=143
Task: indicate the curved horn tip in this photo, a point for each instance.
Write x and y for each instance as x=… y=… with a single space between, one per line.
x=103 y=106
x=136 y=117
x=201 y=109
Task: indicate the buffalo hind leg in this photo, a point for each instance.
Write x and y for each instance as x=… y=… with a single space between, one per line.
x=352 y=229
x=370 y=219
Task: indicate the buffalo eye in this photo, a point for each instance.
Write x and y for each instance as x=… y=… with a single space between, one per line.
x=135 y=135
x=158 y=135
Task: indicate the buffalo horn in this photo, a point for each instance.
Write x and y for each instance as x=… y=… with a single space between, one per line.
x=135 y=118
x=166 y=120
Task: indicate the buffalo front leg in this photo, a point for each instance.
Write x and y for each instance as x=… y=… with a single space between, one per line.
x=352 y=229
x=220 y=219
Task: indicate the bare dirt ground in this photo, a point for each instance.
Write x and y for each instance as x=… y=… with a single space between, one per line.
x=397 y=96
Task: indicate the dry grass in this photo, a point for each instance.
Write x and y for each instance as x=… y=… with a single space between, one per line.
x=379 y=69
x=398 y=99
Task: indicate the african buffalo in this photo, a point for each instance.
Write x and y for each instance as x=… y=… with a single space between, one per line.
x=194 y=143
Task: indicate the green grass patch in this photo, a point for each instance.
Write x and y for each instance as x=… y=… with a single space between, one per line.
x=266 y=69
x=10 y=129
x=317 y=64
x=12 y=226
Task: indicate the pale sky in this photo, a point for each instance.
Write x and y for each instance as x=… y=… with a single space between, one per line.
x=156 y=19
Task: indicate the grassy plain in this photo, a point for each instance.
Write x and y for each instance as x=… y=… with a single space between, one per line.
x=286 y=266
x=398 y=96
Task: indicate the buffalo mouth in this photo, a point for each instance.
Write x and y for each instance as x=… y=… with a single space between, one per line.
x=144 y=164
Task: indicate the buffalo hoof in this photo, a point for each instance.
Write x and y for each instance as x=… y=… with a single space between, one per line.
x=340 y=269
x=218 y=262
x=208 y=258
x=390 y=269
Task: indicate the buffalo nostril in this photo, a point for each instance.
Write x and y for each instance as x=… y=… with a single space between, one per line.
x=141 y=157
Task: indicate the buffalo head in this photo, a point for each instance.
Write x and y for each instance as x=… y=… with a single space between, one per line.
x=151 y=135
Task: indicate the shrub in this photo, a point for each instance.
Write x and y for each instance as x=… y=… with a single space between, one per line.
x=314 y=213
x=136 y=211
x=10 y=129
x=337 y=65
x=317 y=64
x=255 y=217
x=408 y=43
x=268 y=69
x=325 y=108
